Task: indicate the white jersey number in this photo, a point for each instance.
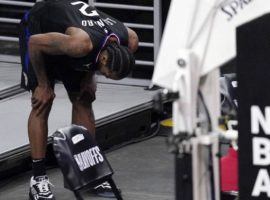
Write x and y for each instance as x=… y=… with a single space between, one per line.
x=93 y=13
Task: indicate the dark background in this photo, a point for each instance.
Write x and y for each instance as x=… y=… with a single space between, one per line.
x=145 y=35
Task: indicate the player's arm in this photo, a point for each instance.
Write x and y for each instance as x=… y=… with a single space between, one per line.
x=133 y=40
x=75 y=43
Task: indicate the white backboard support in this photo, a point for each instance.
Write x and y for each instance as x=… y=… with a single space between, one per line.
x=207 y=27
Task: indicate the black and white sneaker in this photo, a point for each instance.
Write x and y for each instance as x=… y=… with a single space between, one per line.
x=40 y=189
x=104 y=190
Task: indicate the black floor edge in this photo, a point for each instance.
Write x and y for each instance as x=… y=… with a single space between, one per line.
x=11 y=91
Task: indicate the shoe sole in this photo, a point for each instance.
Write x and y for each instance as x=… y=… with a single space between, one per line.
x=31 y=198
x=104 y=194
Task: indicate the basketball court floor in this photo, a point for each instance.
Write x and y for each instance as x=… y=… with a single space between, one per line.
x=143 y=171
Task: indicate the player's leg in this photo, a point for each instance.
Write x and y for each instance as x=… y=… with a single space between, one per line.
x=81 y=99
x=37 y=124
x=38 y=132
x=82 y=114
x=81 y=87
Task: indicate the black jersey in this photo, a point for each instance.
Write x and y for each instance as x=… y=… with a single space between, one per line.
x=58 y=15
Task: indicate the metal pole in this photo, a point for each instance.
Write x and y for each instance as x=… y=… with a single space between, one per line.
x=124 y=6
x=10 y=39
x=143 y=26
x=143 y=62
x=16 y=3
x=9 y=20
x=157 y=26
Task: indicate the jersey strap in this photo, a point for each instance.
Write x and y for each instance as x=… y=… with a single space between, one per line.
x=109 y=33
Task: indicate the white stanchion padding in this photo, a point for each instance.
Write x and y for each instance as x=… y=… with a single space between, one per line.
x=185 y=82
x=230 y=135
x=202 y=35
x=208 y=27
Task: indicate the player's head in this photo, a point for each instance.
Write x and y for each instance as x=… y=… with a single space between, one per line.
x=116 y=61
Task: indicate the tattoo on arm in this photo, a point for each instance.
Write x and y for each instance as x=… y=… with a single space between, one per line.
x=55 y=44
x=37 y=61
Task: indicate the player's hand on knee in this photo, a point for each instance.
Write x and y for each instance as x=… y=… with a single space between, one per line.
x=42 y=98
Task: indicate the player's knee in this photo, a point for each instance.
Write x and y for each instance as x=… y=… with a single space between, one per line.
x=88 y=96
x=84 y=99
x=79 y=107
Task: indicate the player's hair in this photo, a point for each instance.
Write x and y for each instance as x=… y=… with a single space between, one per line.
x=120 y=59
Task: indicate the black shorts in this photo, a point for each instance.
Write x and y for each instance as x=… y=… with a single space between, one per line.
x=71 y=78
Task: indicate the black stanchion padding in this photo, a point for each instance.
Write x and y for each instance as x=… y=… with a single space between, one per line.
x=82 y=162
x=183 y=177
x=253 y=75
x=228 y=196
